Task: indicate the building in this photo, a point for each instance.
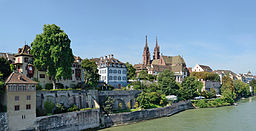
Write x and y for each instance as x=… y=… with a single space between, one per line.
x=24 y=64
x=201 y=68
x=207 y=85
x=112 y=71
x=20 y=100
x=159 y=63
x=8 y=56
x=246 y=78
x=222 y=73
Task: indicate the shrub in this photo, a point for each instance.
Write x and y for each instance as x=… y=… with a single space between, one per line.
x=48 y=106
x=59 y=108
x=38 y=87
x=73 y=108
x=59 y=86
x=48 y=86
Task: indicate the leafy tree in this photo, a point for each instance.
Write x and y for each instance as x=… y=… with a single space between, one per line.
x=241 y=89
x=143 y=75
x=228 y=96
x=51 y=51
x=167 y=83
x=108 y=105
x=253 y=85
x=1 y=84
x=91 y=75
x=206 y=76
x=189 y=87
x=227 y=85
x=131 y=71
x=212 y=93
x=5 y=68
x=144 y=100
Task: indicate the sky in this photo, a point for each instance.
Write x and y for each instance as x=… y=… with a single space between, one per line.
x=218 y=33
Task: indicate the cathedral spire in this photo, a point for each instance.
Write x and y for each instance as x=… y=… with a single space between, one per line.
x=146 y=54
x=156 y=54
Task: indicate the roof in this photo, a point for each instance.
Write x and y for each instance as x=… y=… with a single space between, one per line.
x=107 y=60
x=25 y=50
x=8 y=56
x=225 y=72
x=155 y=62
x=206 y=68
x=18 y=78
x=173 y=60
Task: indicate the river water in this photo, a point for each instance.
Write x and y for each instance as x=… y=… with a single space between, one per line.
x=231 y=118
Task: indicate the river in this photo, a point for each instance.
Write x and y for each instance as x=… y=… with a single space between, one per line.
x=230 y=118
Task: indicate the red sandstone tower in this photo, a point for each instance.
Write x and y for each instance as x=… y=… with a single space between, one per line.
x=146 y=54
x=156 y=54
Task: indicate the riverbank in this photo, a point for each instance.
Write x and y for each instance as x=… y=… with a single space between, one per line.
x=147 y=114
x=235 y=118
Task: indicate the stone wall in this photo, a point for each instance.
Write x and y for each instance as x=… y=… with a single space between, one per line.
x=126 y=98
x=81 y=98
x=71 y=121
x=3 y=122
x=129 y=117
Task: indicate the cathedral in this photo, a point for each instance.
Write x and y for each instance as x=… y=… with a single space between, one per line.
x=159 y=63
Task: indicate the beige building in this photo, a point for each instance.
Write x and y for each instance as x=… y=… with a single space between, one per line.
x=20 y=100
x=201 y=68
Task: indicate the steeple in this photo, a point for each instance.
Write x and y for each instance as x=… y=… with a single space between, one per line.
x=146 y=54
x=156 y=54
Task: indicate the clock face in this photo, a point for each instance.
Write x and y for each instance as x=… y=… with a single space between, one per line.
x=30 y=68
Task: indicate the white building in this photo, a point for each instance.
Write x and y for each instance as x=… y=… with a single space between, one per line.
x=112 y=71
x=201 y=68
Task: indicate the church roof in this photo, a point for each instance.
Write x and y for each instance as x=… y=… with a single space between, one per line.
x=18 y=78
x=173 y=60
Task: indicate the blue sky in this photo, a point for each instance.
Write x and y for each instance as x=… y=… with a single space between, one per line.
x=219 y=33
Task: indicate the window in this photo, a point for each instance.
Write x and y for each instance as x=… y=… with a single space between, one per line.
x=17 y=98
x=110 y=77
x=73 y=71
x=115 y=77
x=28 y=107
x=28 y=97
x=16 y=107
x=26 y=59
x=23 y=116
x=124 y=78
x=119 y=71
x=110 y=71
x=119 y=77
x=42 y=75
x=114 y=71
x=124 y=71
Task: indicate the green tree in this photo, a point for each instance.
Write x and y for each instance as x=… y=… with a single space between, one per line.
x=253 y=85
x=144 y=100
x=131 y=71
x=189 y=87
x=1 y=84
x=51 y=51
x=5 y=67
x=143 y=75
x=167 y=83
x=241 y=89
x=91 y=75
x=228 y=86
x=108 y=105
x=206 y=76
x=212 y=93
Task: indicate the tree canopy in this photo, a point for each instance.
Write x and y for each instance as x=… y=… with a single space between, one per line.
x=5 y=68
x=190 y=87
x=167 y=83
x=51 y=51
x=131 y=71
x=206 y=76
x=91 y=75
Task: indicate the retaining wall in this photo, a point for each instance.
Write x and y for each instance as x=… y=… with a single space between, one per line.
x=129 y=117
x=71 y=121
x=3 y=122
